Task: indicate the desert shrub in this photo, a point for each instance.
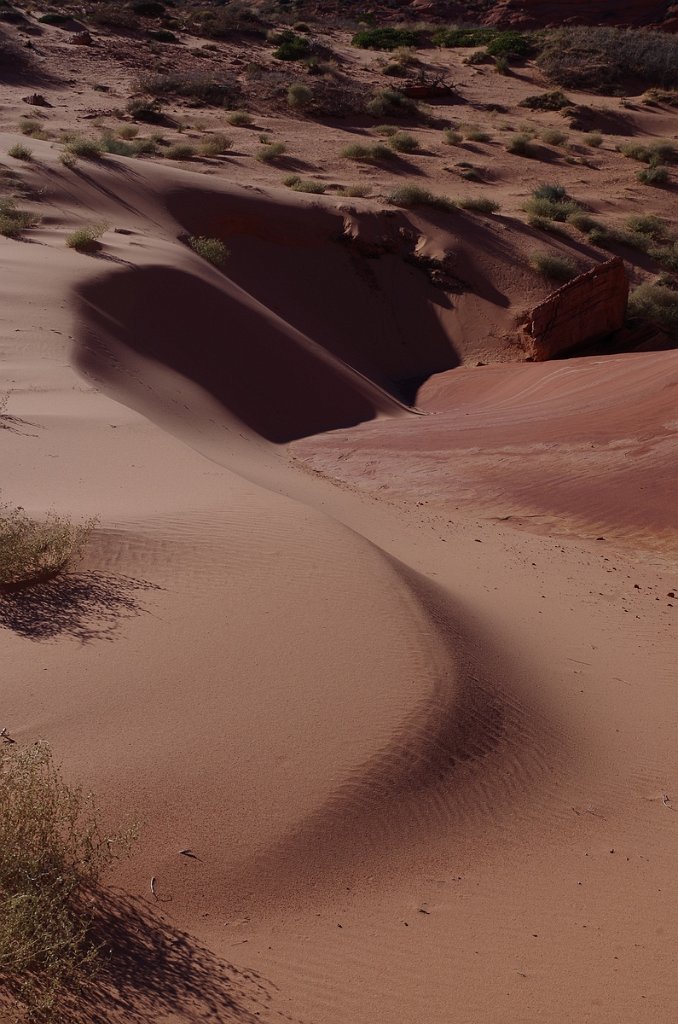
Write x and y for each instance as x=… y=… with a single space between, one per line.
x=54 y=18
x=272 y=151
x=553 y=137
x=367 y=154
x=146 y=111
x=354 y=191
x=299 y=96
x=414 y=195
x=594 y=139
x=648 y=224
x=655 y=304
x=473 y=134
x=14 y=222
x=521 y=145
x=584 y=222
x=201 y=87
x=290 y=46
x=298 y=184
x=469 y=172
x=452 y=137
x=32 y=127
x=211 y=249
x=128 y=132
x=86 y=239
x=109 y=143
x=385 y=38
x=604 y=59
x=553 y=267
x=479 y=205
x=240 y=119
x=238 y=17
x=655 y=96
x=87 y=149
x=607 y=236
x=555 y=100
x=387 y=130
x=53 y=854
x=215 y=145
x=652 y=153
x=403 y=142
x=463 y=37
x=390 y=102
x=32 y=550
x=511 y=45
x=180 y=151
x=657 y=175
x=162 y=35
x=20 y=152
x=551 y=202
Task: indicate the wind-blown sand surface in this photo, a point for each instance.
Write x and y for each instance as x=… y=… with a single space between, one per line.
x=405 y=689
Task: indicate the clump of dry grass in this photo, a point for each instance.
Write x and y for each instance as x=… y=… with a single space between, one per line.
x=53 y=854
x=270 y=152
x=14 y=222
x=86 y=239
x=32 y=549
x=554 y=267
x=211 y=249
x=20 y=152
x=414 y=195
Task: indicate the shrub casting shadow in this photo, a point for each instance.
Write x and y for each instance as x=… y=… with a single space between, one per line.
x=149 y=970
x=86 y=606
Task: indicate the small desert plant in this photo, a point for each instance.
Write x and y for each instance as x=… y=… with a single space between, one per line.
x=385 y=38
x=272 y=151
x=146 y=111
x=648 y=224
x=304 y=185
x=14 y=222
x=53 y=854
x=555 y=100
x=215 y=145
x=180 y=151
x=87 y=149
x=290 y=46
x=452 y=137
x=387 y=102
x=128 y=132
x=521 y=145
x=655 y=304
x=387 y=130
x=201 y=87
x=511 y=45
x=32 y=127
x=20 y=152
x=211 y=249
x=403 y=142
x=86 y=239
x=473 y=134
x=594 y=139
x=299 y=96
x=68 y=159
x=553 y=267
x=240 y=119
x=653 y=153
x=479 y=205
x=31 y=550
x=550 y=202
x=414 y=195
x=367 y=154
x=553 y=137
x=463 y=37
x=584 y=222
x=657 y=175
x=354 y=191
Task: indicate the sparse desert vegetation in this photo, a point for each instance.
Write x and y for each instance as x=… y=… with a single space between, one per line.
x=36 y=549
x=86 y=238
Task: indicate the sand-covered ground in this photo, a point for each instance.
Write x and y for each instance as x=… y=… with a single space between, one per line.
x=394 y=667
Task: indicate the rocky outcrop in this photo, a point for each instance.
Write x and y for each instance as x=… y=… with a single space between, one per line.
x=584 y=310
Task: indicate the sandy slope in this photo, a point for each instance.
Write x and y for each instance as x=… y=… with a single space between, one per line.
x=425 y=760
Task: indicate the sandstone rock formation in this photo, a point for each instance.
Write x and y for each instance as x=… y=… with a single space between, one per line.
x=585 y=309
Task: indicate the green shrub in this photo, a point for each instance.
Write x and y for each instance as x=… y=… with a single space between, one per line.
x=180 y=151
x=215 y=145
x=521 y=145
x=403 y=142
x=304 y=185
x=387 y=130
x=594 y=139
x=414 y=195
x=367 y=154
x=553 y=137
x=53 y=854
x=551 y=202
x=290 y=46
x=128 y=132
x=20 y=152
x=385 y=38
x=32 y=127
x=666 y=256
x=33 y=550
x=452 y=137
x=86 y=239
x=479 y=205
x=583 y=222
x=653 y=153
x=299 y=96
x=54 y=18
x=655 y=304
x=162 y=35
x=604 y=59
x=555 y=100
x=146 y=111
x=211 y=249
x=463 y=37
x=387 y=102
x=657 y=175
x=511 y=45
x=473 y=134
x=240 y=119
x=87 y=149
x=354 y=191
x=14 y=222
x=553 y=267
x=271 y=152
x=648 y=224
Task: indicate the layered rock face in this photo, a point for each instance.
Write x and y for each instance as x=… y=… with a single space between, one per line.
x=589 y=307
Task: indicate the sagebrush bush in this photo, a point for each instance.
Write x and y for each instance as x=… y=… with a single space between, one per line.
x=33 y=128
x=553 y=137
x=510 y=45
x=390 y=102
x=452 y=137
x=473 y=134
x=180 y=151
x=521 y=145
x=555 y=100
x=14 y=222
x=20 y=152
x=554 y=267
x=655 y=304
x=354 y=191
x=385 y=38
x=656 y=175
x=403 y=142
x=290 y=46
x=215 y=145
x=414 y=195
x=298 y=184
x=86 y=239
x=128 y=132
x=32 y=549
x=272 y=151
x=53 y=855
x=211 y=249
x=463 y=37
x=373 y=154
x=594 y=139
x=87 y=149
x=299 y=96
x=240 y=119
x=480 y=204
x=146 y=111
